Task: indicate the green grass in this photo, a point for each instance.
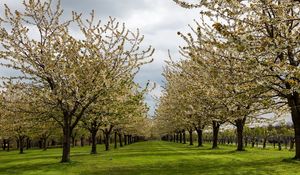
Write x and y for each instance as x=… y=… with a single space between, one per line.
x=152 y=157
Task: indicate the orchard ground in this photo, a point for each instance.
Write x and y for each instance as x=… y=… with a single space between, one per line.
x=151 y=157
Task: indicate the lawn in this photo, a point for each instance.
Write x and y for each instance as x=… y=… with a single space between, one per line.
x=152 y=157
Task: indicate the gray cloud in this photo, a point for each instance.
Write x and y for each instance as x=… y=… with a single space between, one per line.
x=104 y=8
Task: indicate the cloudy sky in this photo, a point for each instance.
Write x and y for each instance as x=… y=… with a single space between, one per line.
x=158 y=21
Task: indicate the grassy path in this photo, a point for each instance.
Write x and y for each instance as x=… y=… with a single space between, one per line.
x=151 y=157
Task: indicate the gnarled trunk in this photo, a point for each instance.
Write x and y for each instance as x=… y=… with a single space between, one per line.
x=239 y=130
x=294 y=104
x=107 y=133
x=66 y=143
x=216 y=127
x=94 y=141
x=200 y=139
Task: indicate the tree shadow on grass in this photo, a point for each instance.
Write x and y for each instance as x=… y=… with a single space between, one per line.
x=292 y=160
x=28 y=159
x=43 y=162
x=36 y=167
x=188 y=166
x=170 y=153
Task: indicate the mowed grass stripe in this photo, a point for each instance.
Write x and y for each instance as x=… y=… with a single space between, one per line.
x=152 y=157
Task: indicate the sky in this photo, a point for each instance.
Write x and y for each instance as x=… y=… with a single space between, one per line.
x=158 y=20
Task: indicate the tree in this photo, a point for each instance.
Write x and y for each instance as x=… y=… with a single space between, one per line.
x=266 y=34
x=68 y=74
x=16 y=122
x=213 y=63
x=44 y=129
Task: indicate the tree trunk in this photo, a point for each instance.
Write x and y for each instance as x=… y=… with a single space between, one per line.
x=107 y=133
x=125 y=139
x=184 y=139
x=252 y=143
x=82 y=141
x=90 y=141
x=21 y=144
x=294 y=104
x=216 y=127
x=239 y=129
x=107 y=141
x=8 y=145
x=279 y=144
x=285 y=143
x=40 y=143
x=264 y=143
x=180 y=136
x=27 y=143
x=4 y=144
x=44 y=144
x=174 y=137
x=66 y=143
x=120 y=140
x=191 y=136
x=292 y=144
x=200 y=139
x=115 y=139
x=18 y=143
x=132 y=139
x=94 y=141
